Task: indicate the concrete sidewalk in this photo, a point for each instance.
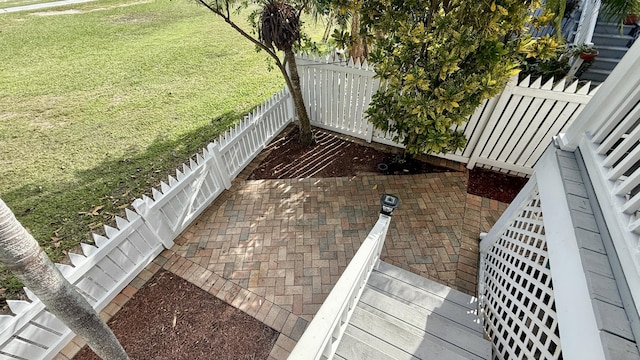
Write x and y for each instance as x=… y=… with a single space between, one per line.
x=42 y=6
x=275 y=248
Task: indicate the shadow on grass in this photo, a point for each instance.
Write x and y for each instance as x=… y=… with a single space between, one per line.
x=60 y=215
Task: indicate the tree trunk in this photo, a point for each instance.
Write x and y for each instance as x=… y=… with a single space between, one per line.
x=22 y=255
x=306 y=137
x=327 y=29
x=358 y=46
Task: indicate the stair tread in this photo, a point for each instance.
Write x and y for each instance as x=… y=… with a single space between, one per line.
x=396 y=334
x=415 y=280
x=357 y=344
x=598 y=71
x=609 y=47
x=426 y=301
x=421 y=322
x=606 y=59
x=614 y=36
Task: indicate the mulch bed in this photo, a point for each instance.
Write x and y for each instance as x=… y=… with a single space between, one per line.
x=335 y=156
x=331 y=156
x=494 y=185
x=170 y=318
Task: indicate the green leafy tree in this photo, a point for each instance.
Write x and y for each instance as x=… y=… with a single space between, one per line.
x=438 y=60
x=278 y=29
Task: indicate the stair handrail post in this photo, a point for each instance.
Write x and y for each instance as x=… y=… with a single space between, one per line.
x=322 y=337
x=587 y=23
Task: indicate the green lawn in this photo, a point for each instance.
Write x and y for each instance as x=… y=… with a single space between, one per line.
x=99 y=105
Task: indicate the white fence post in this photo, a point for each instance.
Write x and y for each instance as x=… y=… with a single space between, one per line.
x=216 y=161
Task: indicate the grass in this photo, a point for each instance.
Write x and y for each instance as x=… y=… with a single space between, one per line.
x=98 y=105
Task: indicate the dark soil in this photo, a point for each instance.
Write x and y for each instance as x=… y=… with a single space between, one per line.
x=335 y=156
x=170 y=318
x=331 y=156
x=494 y=185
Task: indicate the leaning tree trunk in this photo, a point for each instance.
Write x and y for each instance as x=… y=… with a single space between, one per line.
x=22 y=255
x=306 y=137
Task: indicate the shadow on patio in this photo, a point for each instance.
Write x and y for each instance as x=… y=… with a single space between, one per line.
x=275 y=248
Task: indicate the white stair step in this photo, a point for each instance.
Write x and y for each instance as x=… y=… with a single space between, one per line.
x=453 y=295
x=357 y=344
x=614 y=52
x=438 y=326
x=611 y=40
x=395 y=333
x=437 y=303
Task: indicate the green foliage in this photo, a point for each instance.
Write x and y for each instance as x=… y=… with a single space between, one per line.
x=438 y=61
x=617 y=10
x=555 y=67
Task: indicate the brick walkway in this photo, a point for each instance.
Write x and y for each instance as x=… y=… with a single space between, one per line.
x=274 y=248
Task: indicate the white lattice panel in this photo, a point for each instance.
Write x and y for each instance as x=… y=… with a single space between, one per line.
x=517 y=300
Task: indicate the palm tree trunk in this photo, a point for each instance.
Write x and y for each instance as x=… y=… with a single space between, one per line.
x=306 y=137
x=22 y=255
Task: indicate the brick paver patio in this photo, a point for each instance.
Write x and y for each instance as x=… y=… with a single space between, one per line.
x=274 y=248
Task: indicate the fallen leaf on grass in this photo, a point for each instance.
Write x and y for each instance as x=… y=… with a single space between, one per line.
x=95 y=225
x=92 y=212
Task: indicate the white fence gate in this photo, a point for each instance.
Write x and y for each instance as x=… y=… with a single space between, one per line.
x=506 y=133
x=107 y=268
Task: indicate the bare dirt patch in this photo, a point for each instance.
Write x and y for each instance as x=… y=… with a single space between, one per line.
x=57 y=12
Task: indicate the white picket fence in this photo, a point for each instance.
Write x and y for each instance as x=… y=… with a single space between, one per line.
x=507 y=133
x=106 y=268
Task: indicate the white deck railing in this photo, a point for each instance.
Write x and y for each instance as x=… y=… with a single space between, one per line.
x=587 y=24
x=535 y=294
x=321 y=338
x=607 y=137
x=584 y=32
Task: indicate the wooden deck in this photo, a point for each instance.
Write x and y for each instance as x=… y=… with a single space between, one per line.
x=405 y=316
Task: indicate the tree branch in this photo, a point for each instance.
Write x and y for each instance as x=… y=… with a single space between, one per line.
x=257 y=42
x=228 y=20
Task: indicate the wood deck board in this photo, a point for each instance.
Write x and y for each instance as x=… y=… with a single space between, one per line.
x=404 y=316
x=425 y=299
x=428 y=322
x=365 y=346
x=396 y=334
x=435 y=288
